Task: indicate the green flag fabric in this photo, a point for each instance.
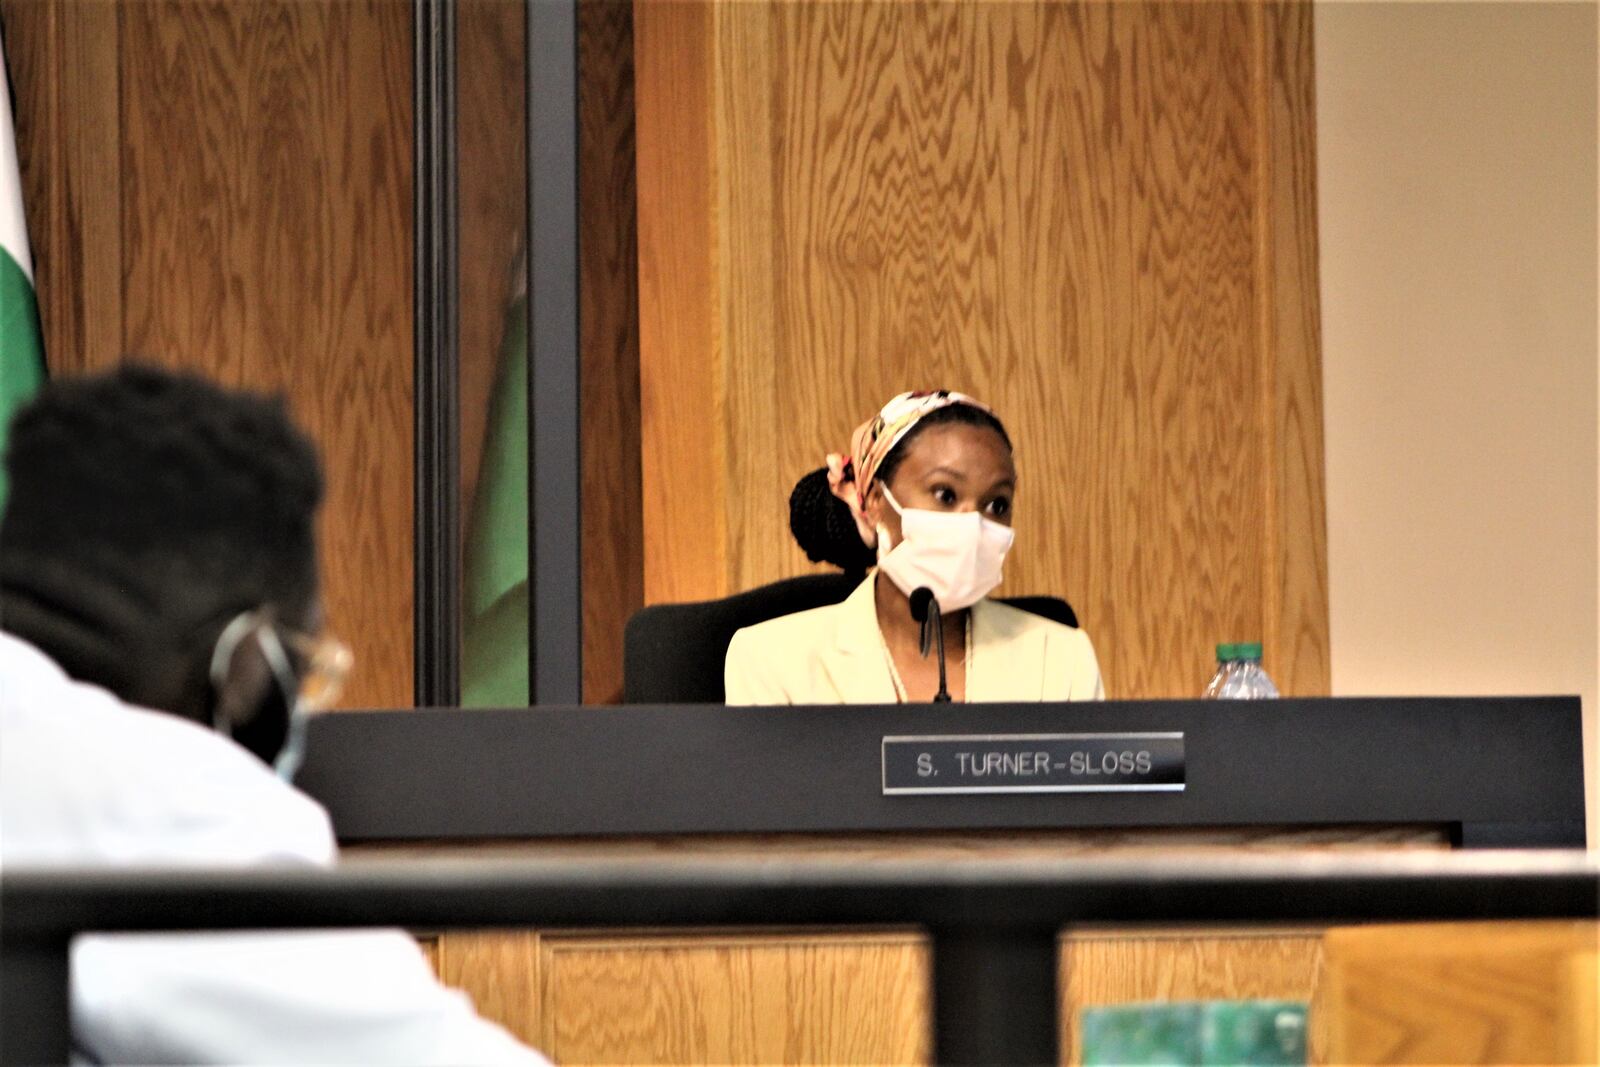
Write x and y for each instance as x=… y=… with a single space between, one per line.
x=21 y=348
x=494 y=661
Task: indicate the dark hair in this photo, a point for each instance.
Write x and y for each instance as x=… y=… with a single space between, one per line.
x=822 y=523
x=143 y=505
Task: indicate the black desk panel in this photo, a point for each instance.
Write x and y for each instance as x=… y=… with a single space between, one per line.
x=1501 y=771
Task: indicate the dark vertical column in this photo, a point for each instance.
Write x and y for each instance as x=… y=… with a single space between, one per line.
x=437 y=504
x=36 y=1023
x=994 y=995
x=555 y=602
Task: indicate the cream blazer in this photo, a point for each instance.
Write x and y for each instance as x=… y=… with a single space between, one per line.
x=835 y=655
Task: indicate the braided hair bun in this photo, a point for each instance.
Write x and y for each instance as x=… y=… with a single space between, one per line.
x=824 y=528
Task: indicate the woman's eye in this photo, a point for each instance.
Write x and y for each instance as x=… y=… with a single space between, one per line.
x=1000 y=507
x=945 y=496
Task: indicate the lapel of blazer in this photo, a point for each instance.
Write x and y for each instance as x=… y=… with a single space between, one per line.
x=1007 y=656
x=854 y=659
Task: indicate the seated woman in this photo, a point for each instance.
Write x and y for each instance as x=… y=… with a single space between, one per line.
x=925 y=494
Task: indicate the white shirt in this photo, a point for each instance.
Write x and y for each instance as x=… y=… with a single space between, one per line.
x=86 y=779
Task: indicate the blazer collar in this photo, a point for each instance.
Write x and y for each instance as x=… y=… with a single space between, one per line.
x=857 y=629
x=855 y=660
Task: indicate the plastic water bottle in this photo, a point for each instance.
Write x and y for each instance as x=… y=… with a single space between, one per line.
x=1239 y=675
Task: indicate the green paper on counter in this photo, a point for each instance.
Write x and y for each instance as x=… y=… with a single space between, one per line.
x=1253 y=1032
x=1153 y=1034
x=1195 y=1034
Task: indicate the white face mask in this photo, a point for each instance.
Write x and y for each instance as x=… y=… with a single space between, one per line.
x=956 y=554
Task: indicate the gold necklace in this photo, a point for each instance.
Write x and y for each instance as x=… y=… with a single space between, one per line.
x=894 y=672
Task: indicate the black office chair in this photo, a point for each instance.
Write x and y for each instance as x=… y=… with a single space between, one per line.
x=673 y=653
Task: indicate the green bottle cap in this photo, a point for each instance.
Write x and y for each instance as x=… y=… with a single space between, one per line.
x=1247 y=650
x=1226 y=652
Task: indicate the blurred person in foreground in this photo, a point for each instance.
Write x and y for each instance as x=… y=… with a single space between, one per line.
x=160 y=639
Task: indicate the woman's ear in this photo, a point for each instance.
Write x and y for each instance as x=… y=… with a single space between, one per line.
x=872 y=503
x=881 y=516
x=872 y=506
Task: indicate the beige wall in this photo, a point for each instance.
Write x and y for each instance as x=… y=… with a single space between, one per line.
x=1457 y=179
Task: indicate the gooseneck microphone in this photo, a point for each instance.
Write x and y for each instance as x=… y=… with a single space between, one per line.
x=925 y=609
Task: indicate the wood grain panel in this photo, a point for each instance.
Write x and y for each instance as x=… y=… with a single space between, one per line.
x=1129 y=967
x=730 y=998
x=1073 y=211
x=266 y=200
x=1296 y=561
x=816 y=996
x=951 y=207
x=430 y=950
x=682 y=469
x=1581 y=1019
x=63 y=58
x=491 y=144
x=608 y=258
x=745 y=136
x=1462 y=993
x=499 y=970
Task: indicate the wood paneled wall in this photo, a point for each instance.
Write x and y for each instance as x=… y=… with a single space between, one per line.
x=1098 y=217
x=810 y=996
x=226 y=187
x=860 y=995
x=709 y=997
x=1504 y=992
x=608 y=313
x=1493 y=993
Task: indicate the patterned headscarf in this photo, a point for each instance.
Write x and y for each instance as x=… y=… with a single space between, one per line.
x=850 y=476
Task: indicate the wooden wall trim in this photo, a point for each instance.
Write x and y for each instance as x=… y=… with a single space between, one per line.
x=64 y=59
x=1295 y=611
x=730 y=996
x=501 y=971
x=91 y=173
x=681 y=397
x=749 y=333
x=608 y=291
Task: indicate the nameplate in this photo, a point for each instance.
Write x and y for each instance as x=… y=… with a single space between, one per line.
x=1033 y=763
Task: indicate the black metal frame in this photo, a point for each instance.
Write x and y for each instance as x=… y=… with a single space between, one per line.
x=994 y=924
x=555 y=602
x=437 y=497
